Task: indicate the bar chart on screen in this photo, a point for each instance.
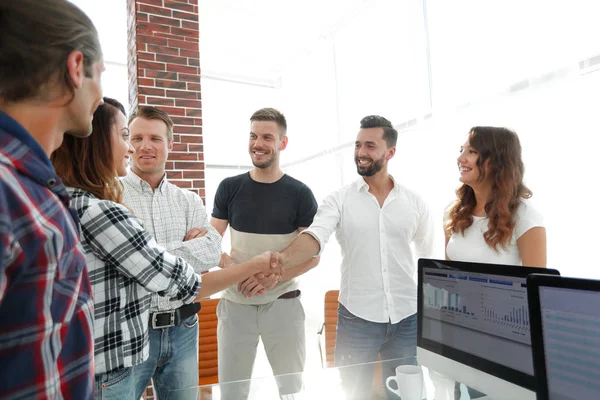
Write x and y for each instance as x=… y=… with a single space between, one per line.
x=488 y=305
x=453 y=305
x=508 y=311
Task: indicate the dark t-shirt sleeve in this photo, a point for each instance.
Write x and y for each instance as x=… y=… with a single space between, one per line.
x=307 y=208
x=221 y=203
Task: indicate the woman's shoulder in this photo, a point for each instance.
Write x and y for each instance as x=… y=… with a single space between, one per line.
x=90 y=206
x=81 y=200
x=527 y=217
x=527 y=209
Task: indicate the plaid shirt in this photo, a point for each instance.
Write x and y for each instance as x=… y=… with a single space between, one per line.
x=126 y=265
x=45 y=294
x=169 y=213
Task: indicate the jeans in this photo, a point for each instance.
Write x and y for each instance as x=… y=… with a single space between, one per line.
x=360 y=341
x=173 y=362
x=118 y=384
x=172 y=366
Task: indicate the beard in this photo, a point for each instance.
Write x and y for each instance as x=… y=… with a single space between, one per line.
x=372 y=169
x=263 y=163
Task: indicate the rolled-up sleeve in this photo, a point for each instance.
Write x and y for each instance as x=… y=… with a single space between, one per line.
x=424 y=237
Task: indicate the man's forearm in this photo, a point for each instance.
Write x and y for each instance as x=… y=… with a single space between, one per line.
x=202 y=253
x=301 y=250
x=297 y=270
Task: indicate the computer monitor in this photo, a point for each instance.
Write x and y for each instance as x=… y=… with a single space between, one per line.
x=565 y=329
x=473 y=325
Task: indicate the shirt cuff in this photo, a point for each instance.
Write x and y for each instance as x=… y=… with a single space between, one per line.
x=315 y=235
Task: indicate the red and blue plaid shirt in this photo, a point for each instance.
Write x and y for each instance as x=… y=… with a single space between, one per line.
x=46 y=308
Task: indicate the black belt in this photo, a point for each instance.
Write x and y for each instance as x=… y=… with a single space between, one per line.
x=168 y=319
x=290 y=295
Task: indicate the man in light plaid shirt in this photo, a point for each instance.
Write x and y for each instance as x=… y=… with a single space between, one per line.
x=178 y=220
x=50 y=69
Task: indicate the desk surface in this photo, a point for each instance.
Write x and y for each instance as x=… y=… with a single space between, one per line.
x=320 y=384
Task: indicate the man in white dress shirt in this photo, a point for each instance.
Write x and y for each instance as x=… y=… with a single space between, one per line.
x=376 y=220
x=179 y=222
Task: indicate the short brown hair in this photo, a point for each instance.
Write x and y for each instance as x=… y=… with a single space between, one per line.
x=150 y=112
x=87 y=163
x=271 y=114
x=36 y=38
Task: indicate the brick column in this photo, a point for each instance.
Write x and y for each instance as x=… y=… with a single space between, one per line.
x=163 y=62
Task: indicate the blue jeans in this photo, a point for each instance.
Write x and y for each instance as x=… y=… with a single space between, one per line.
x=360 y=341
x=118 y=384
x=173 y=361
x=172 y=366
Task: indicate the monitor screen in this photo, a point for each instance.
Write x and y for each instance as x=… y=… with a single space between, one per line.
x=477 y=314
x=480 y=314
x=571 y=337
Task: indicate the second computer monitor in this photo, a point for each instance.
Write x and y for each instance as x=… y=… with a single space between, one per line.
x=566 y=336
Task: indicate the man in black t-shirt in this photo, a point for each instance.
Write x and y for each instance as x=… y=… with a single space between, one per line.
x=265 y=209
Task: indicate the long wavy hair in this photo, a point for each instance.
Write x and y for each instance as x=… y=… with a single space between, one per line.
x=502 y=148
x=87 y=163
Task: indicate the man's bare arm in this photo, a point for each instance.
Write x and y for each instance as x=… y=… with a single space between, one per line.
x=301 y=250
x=219 y=224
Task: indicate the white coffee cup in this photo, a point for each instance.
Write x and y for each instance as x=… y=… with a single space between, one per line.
x=409 y=379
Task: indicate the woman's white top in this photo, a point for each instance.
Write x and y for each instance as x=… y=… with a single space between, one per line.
x=471 y=246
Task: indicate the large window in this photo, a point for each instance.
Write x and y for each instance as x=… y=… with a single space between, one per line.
x=435 y=68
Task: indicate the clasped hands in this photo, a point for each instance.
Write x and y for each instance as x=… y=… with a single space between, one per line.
x=271 y=273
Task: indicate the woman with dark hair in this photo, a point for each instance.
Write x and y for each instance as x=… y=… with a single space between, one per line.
x=492 y=220
x=125 y=263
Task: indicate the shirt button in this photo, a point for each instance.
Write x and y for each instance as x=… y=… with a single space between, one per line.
x=51 y=182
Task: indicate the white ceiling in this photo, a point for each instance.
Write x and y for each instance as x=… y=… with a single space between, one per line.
x=255 y=39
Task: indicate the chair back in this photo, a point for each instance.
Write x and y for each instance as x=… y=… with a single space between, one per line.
x=330 y=325
x=208 y=362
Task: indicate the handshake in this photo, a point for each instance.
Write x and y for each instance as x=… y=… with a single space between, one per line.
x=269 y=272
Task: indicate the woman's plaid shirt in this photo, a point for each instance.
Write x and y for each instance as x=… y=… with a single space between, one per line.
x=126 y=266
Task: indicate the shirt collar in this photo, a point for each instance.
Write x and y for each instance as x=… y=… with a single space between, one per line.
x=142 y=186
x=362 y=185
x=16 y=130
x=29 y=158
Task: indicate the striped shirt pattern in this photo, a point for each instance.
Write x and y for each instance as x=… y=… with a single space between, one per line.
x=126 y=265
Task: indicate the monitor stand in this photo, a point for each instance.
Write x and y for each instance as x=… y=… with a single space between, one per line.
x=494 y=387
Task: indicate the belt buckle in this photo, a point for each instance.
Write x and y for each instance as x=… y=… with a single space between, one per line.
x=171 y=320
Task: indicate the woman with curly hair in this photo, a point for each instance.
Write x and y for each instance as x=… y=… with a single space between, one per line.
x=492 y=220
